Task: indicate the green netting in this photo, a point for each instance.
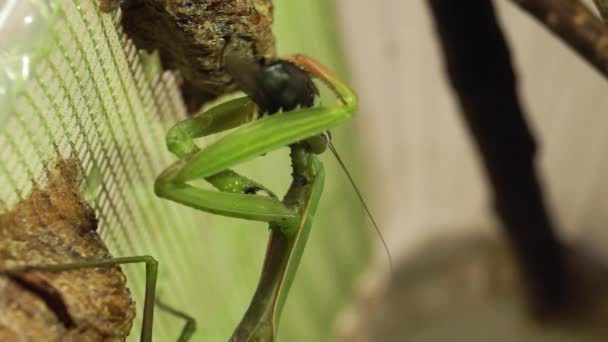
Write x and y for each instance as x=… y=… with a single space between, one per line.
x=88 y=94
x=89 y=98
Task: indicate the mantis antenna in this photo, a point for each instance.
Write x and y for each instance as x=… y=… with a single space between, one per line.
x=360 y=196
x=319 y=70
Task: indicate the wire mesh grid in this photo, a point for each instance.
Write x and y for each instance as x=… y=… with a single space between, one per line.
x=94 y=98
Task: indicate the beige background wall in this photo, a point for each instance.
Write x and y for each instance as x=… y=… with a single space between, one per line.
x=423 y=175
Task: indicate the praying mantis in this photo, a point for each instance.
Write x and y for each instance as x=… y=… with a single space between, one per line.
x=278 y=111
x=284 y=84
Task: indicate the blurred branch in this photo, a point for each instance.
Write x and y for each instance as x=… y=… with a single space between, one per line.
x=602 y=6
x=480 y=71
x=576 y=25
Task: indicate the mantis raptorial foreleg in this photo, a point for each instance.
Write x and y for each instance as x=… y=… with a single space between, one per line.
x=290 y=220
x=251 y=140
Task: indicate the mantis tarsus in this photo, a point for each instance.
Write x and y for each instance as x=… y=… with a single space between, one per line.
x=281 y=85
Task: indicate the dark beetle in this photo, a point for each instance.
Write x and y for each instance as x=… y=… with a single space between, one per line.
x=279 y=85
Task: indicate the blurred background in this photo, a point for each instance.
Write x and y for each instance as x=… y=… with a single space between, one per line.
x=408 y=149
x=424 y=178
x=420 y=162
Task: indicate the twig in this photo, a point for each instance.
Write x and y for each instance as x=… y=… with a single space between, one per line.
x=576 y=25
x=480 y=71
x=602 y=6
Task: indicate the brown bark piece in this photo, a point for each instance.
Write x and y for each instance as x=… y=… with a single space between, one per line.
x=55 y=225
x=190 y=36
x=574 y=23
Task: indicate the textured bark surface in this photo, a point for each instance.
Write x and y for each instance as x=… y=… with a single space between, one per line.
x=190 y=36
x=55 y=225
x=576 y=25
x=602 y=7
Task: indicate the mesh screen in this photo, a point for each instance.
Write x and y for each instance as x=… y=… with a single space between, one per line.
x=92 y=97
x=72 y=85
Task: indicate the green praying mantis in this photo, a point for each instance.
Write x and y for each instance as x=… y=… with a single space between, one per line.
x=278 y=111
x=289 y=220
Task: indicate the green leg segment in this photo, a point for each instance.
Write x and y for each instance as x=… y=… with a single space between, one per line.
x=256 y=138
x=234 y=197
x=151 y=277
x=284 y=252
x=190 y=325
